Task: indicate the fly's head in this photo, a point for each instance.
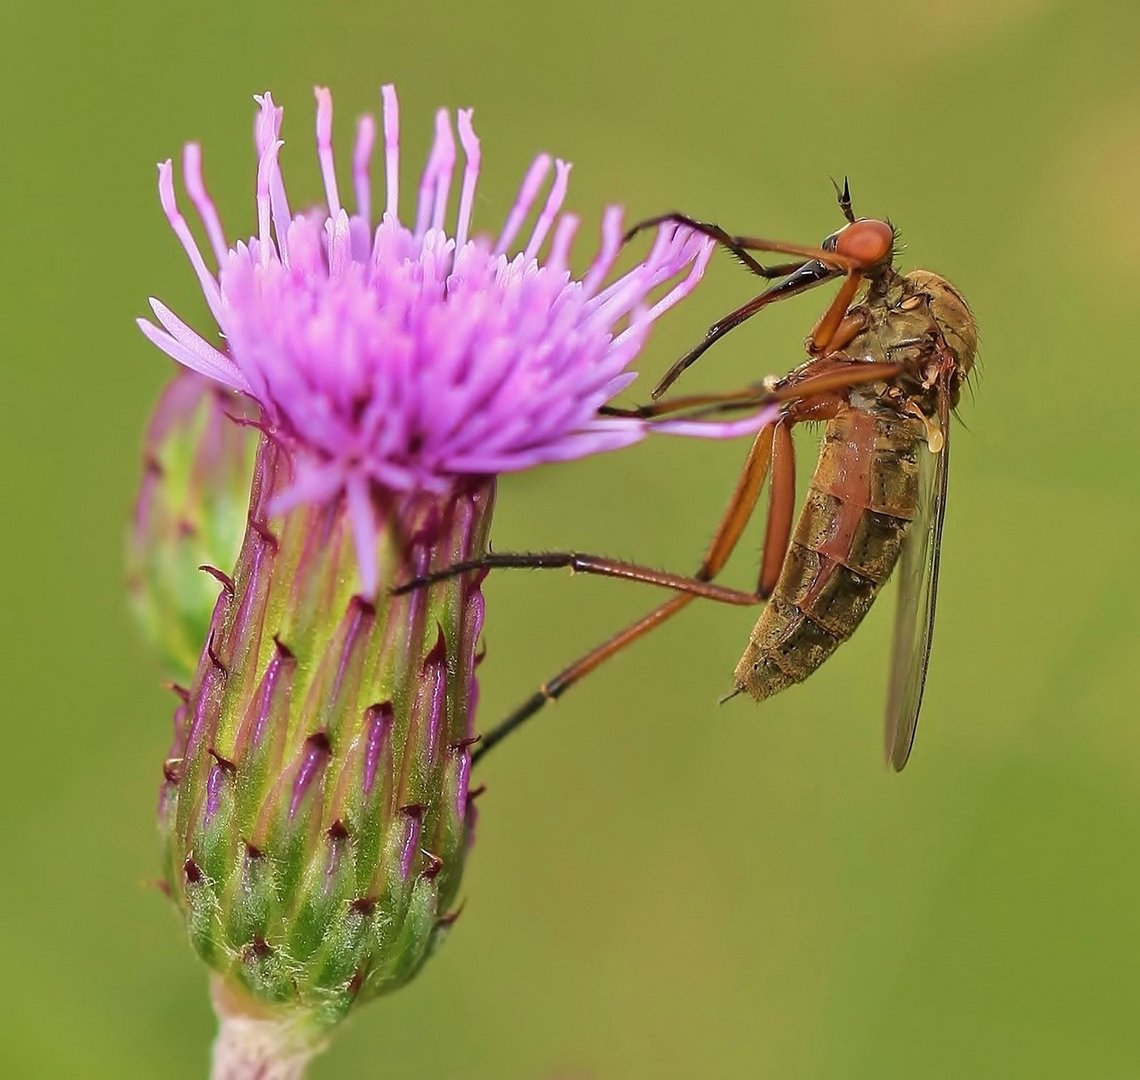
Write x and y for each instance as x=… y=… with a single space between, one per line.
x=868 y=242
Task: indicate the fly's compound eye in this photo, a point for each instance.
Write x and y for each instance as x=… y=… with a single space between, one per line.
x=867 y=241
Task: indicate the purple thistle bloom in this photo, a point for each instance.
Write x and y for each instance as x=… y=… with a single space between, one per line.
x=398 y=358
x=316 y=808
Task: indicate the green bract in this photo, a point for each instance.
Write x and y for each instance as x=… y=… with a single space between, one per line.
x=190 y=513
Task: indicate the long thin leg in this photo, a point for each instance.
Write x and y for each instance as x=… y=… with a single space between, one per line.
x=581 y=563
x=556 y=687
x=781 y=508
x=740 y=506
x=841 y=377
x=749 y=396
x=715 y=232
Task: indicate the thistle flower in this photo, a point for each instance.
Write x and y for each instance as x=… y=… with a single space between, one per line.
x=189 y=515
x=315 y=808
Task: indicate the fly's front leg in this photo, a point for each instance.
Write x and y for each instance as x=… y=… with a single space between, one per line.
x=836 y=327
x=715 y=232
x=853 y=323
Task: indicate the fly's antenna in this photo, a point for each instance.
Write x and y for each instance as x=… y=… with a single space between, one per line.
x=843 y=197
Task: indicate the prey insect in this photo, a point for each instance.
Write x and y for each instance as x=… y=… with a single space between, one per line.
x=883 y=373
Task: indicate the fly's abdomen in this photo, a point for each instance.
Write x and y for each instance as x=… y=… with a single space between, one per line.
x=845 y=545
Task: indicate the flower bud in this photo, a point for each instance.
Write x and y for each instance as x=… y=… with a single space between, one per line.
x=190 y=513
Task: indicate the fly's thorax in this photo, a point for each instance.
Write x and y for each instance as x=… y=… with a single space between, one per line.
x=898 y=322
x=950 y=312
x=916 y=320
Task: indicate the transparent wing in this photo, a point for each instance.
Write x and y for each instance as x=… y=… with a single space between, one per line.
x=917 y=597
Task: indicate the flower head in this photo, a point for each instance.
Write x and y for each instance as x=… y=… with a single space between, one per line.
x=402 y=356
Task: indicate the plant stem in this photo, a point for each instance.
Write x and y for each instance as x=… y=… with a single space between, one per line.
x=255 y=1043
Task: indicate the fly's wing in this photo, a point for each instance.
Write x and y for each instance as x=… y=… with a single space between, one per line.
x=917 y=597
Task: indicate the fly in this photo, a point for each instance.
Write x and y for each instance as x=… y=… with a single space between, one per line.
x=883 y=373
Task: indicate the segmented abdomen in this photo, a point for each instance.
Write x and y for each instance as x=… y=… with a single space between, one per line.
x=846 y=543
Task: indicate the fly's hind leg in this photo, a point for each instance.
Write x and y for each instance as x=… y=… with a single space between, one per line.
x=732 y=523
x=581 y=563
x=772 y=450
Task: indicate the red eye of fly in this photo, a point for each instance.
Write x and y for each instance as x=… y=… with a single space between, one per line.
x=866 y=240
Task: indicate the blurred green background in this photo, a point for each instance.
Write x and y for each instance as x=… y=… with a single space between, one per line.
x=661 y=887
